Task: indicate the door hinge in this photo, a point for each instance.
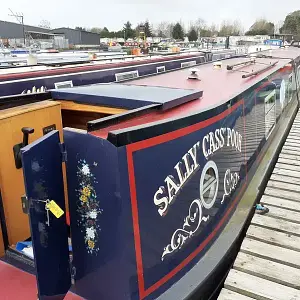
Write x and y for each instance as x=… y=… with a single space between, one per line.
x=63 y=151
x=72 y=273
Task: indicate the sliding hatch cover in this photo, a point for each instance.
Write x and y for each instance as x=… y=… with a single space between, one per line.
x=42 y=167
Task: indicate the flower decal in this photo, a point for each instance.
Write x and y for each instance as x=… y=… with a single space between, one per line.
x=88 y=207
x=85 y=169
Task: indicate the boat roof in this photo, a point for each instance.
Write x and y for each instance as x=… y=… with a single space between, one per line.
x=127 y=96
x=48 y=69
x=218 y=86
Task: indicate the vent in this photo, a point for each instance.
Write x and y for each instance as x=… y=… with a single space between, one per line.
x=127 y=75
x=161 y=69
x=63 y=84
x=188 y=64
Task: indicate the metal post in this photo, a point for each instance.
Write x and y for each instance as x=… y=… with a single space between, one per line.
x=22 y=20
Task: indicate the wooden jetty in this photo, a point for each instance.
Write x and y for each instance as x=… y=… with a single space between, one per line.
x=268 y=264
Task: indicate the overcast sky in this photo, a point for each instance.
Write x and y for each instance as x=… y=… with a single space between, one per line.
x=112 y=14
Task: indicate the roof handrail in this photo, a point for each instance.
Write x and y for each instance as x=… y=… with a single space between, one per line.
x=245 y=63
x=260 y=70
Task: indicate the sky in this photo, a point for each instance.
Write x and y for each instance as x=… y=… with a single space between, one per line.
x=113 y=14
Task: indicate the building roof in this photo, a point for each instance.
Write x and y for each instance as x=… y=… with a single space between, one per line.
x=72 y=29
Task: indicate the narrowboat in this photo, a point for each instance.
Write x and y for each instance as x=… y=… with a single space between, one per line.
x=58 y=73
x=142 y=189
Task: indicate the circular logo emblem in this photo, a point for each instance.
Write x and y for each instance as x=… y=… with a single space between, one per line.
x=209 y=183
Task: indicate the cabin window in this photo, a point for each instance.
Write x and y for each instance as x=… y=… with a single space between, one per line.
x=63 y=84
x=270 y=112
x=188 y=64
x=126 y=75
x=161 y=69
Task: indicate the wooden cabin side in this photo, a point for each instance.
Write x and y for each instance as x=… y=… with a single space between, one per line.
x=42 y=117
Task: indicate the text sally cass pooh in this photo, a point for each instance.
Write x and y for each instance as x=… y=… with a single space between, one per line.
x=184 y=169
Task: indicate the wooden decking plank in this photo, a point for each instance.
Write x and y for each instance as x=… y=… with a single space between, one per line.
x=276 y=224
x=282 y=194
x=287 y=172
x=271 y=252
x=287 y=166
x=285 y=214
x=274 y=237
x=288 y=161
x=258 y=288
x=292 y=141
x=284 y=151
x=294 y=136
x=284 y=185
x=292 y=148
x=231 y=295
x=282 y=203
x=287 y=179
x=268 y=269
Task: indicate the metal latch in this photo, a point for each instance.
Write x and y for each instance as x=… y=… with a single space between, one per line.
x=25 y=204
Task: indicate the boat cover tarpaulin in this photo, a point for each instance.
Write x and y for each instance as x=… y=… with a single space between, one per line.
x=127 y=96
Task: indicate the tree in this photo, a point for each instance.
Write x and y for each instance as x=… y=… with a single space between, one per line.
x=147 y=28
x=80 y=28
x=177 y=32
x=96 y=30
x=164 y=29
x=192 y=35
x=45 y=24
x=230 y=28
x=129 y=32
x=261 y=27
x=291 y=24
x=106 y=34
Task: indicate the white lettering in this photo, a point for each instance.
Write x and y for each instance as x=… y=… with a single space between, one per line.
x=189 y=169
x=205 y=139
x=193 y=153
x=162 y=203
x=172 y=187
x=182 y=178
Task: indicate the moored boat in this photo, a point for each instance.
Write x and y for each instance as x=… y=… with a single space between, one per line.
x=49 y=74
x=152 y=173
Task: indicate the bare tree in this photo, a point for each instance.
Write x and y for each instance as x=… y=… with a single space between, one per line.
x=45 y=24
x=230 y=28
x=164 y=29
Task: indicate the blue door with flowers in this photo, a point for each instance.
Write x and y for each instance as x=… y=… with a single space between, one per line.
x=42 y=167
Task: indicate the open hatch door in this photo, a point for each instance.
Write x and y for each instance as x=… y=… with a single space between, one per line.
x=42 y=167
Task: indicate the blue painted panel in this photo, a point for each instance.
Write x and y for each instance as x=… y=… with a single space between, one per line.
x=126 y=95
x=172 y=240
x=42 y=167
x=101 y=222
